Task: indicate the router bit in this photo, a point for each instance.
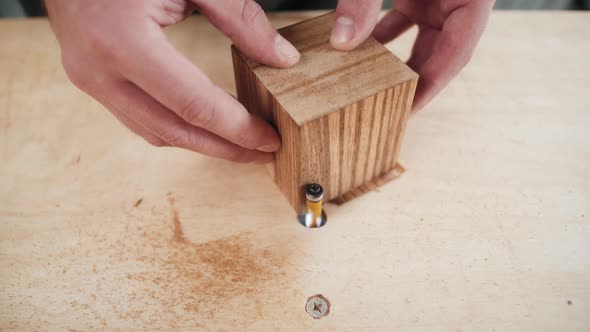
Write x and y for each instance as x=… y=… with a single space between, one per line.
x=313 y=215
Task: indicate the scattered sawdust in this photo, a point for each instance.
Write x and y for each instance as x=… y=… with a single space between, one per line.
x=141 y=271
x=148 y=272
x=199 y=277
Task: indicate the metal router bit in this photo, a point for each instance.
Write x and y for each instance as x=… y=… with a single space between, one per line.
x=313 y=215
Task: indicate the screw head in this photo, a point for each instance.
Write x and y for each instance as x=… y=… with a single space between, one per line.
x=317 y=306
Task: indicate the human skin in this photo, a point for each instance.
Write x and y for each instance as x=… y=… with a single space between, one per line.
x=448 y=32
x=116 y=52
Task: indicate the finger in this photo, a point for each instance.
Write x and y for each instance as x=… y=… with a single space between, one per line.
x=136 y=105
x=355 y=19
x=126 y=121
x=246 y=24
x=137 y=129
x=163 y=73
x=427 y=87
x=391 y=26
x=450 y=50
x=423 y=45
x=429 y=83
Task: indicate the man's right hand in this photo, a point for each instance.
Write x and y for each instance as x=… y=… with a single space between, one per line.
x=117 y=52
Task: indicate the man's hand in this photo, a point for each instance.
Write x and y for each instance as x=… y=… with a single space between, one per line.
x=355 y=19
x=448 y=33
x=117 y=52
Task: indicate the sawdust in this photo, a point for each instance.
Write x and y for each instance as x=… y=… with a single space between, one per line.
x=148 y=272
x=178 y=232
x=199 y=276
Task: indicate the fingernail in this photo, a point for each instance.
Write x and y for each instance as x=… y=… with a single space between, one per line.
x=288 y=51
x=269 y=148
x=343 y=30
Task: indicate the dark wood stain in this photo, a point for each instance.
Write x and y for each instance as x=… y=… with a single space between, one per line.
x=378 y=154
x=356 y=141
x=341 y=145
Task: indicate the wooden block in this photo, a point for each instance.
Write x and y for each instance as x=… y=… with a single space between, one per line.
x=340 y=115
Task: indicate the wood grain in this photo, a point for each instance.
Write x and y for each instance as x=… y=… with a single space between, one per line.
x=341 y=115
x=370 y=185
x=486 y=230
x=326 y=80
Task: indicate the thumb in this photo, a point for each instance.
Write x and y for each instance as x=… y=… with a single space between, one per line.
x=246 y=24
x=355 y=19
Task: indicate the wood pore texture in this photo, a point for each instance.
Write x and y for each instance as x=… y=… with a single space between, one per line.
x=340 y=115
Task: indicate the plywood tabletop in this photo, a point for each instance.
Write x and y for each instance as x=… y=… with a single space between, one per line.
x=487 y=229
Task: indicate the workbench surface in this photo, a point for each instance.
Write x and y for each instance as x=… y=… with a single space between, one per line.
x=488 y=229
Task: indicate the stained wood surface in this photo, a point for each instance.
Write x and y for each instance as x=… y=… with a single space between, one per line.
x=486 y=230
x=325 y=80
x=370 y=185
x=353 y=147
x=341 y=115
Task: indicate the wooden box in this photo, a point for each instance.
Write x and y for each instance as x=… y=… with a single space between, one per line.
x=340 y=115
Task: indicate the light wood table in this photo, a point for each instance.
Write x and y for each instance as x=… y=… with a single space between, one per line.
x=489 y=228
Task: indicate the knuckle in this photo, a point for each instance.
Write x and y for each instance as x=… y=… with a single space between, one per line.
x=250 y=11
x=195 y=142
x=155 y=141
x=174 y=137
x=241 y=138
x=198 y=113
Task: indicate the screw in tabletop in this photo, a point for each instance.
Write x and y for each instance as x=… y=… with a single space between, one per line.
x=317 y=306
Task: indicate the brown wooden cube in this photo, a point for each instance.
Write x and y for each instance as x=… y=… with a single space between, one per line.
x=340 y=115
